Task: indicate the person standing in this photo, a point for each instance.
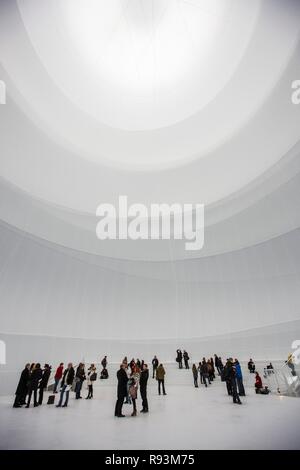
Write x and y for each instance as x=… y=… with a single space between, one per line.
x=195 y=375
x=133 y=387
x=104 y=362
x=239 y=378
x=213 y=368
x=217 y=364
x=143 y=388
x=231 y=374
x=34 y=380
x=186 y=359
x=251 y=366
x=44 y=382
x=179 y=358
x=66 y=385
x=121 y=390
x=58 y=376
x=210 y=370
x=220 y=366
x=204 y=372
x=79 y=378
x=200 y=372
x=160 y=376
x=154 y=365
x=22 y=387
x=92 y=376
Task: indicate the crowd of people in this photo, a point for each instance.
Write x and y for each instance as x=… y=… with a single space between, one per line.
x=132 y=377
x=34 y=381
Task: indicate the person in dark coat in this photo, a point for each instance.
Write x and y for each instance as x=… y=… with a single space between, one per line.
x=179 y=358
x=143 y=388
x=104 y=374
x=251 y=366
x=154 y=366
x=79 y=378
x=195 y=375
x=66 y=385
x=186 y=359
x=231 y=376
x=226 y=377
x=104 y=362
x=22 y=387
x=220 y=365
x=34 y=380
x=122 y=390
x=44 y=382
x=204 y=372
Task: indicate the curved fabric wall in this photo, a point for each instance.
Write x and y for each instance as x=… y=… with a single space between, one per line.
x=221 y=129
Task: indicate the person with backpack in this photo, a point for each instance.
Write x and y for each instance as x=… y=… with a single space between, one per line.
x=91 y=377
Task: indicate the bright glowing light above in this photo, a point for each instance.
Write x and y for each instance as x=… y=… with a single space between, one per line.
x=141 y=81
x=142 y=45
x=142 y=52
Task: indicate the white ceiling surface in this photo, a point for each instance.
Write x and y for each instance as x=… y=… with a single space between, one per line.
x=234 y=147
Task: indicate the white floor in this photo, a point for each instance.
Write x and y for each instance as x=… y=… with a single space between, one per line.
x=187 y=418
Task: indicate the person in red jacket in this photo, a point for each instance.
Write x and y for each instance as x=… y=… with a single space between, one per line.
x=258 y=382
x=58 y=376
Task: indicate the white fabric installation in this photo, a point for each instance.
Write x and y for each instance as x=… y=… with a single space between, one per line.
x=214 y=123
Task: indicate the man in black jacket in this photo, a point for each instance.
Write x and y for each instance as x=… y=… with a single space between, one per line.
x=143 y=388
x=231 y=377
x=44 y=382
x=34 y=380
x=79 y=378
x=186 y=359
x=22 y=388
x=66 y=385
x=122 y=390
x=154 y=365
